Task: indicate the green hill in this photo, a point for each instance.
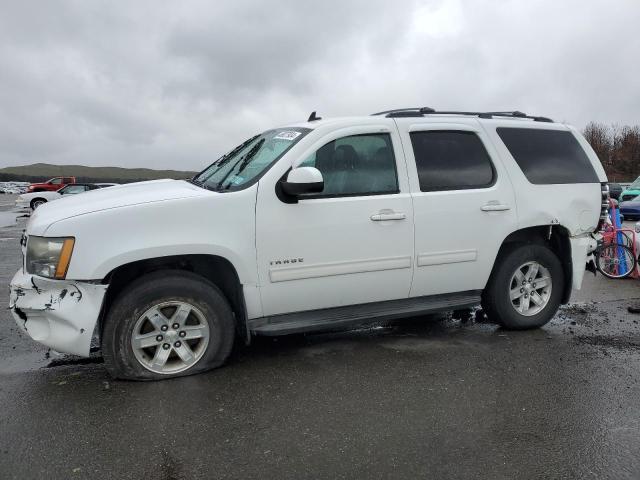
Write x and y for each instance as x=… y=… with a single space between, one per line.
x=39 y=172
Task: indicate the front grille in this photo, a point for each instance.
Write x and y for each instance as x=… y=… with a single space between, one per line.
x=627 y=197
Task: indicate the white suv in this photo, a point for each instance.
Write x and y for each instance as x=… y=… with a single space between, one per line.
x=317 y=225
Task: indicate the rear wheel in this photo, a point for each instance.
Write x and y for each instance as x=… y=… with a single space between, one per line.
x=525 y=289
x=167 y=324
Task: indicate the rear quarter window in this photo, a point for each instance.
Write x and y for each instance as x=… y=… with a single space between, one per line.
x=548 y=156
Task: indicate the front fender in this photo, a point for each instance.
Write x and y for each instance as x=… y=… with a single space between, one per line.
x=221 y=225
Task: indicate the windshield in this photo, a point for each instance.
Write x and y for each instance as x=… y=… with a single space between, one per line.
x=249 y=160
x=635 y=185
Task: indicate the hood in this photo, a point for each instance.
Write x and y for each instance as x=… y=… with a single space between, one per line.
x=110 y=198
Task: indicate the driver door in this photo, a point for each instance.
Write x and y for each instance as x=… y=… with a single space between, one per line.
x=350 y=244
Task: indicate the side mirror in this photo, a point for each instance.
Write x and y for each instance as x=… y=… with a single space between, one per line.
x=303 y=180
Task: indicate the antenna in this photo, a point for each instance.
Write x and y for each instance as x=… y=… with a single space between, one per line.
x=313 y=117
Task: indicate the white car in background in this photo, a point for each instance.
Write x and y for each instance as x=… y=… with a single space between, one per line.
x=34 y=200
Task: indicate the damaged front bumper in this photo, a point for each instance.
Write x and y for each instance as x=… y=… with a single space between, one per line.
x=60 y=314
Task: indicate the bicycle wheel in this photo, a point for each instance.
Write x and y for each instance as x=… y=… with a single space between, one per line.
x=625 y=239
x=615 y=260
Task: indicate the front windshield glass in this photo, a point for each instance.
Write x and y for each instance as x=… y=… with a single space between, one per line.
x=635 y=185
x=249 y=160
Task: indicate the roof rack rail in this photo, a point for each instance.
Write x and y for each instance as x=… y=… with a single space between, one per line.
x=422 y=111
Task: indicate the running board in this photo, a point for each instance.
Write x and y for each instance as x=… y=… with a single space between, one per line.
x=353 y=315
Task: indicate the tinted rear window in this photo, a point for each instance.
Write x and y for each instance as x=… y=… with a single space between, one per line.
x=548 y=156
x=451 y=160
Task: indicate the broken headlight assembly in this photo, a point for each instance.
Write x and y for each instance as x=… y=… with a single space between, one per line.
x=49 y=257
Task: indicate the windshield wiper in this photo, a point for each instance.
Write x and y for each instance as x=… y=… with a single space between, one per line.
x=221 y=161
x=242 y=161
x=198 y=183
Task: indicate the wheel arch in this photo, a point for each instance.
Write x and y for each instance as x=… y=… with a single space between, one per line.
x=213 y=268
x=556 y=237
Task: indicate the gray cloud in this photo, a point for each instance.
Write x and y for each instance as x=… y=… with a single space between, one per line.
x=174 y=84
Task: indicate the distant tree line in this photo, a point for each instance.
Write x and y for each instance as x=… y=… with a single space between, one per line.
x=10 y=177
x=618 y=148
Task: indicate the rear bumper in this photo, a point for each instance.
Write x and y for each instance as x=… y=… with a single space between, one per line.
x=60 y=314
x=582 y=248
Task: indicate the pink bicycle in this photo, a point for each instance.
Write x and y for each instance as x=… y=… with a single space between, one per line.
x=616 y=256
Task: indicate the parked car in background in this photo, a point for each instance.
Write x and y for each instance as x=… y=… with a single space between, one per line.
x=35 y=199
x=103 y=185
x=51 y=185
x=320 y=225
x=630 y=209
x=631 y=192
x=13 y=187
x=615 y=190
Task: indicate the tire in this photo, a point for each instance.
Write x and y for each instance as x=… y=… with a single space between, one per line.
x=36 y=202
x=158 y=296
x=611 y=256
x=504 y=282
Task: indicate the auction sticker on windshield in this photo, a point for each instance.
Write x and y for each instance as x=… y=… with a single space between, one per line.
x=287 y=135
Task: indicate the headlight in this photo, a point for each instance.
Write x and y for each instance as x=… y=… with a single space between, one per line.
x=638 y=227
x=49 y=257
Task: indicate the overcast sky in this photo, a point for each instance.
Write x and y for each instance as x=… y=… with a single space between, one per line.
x=175 y=84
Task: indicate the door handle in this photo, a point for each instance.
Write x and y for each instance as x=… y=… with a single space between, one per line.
x=385 y=215
x=495 y=207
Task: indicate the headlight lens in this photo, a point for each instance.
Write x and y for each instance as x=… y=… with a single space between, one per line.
x=49 y=257
x=638 y=227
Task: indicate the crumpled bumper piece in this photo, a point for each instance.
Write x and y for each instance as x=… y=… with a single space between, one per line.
x=582 y=248
x=60 y=314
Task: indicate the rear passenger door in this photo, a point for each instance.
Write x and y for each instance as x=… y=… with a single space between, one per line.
x=464 y=204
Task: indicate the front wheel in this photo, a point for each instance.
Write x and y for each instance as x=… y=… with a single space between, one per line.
x=167 y=324
x=36 y=202
x=525 y=289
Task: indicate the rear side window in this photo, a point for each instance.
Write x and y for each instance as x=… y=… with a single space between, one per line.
x=548 y=156
x=451 y=160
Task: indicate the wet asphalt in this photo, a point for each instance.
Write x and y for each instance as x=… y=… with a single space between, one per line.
x=428 y=397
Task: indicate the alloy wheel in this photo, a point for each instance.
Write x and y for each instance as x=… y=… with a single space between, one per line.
x=170 y=337
x=530 y=288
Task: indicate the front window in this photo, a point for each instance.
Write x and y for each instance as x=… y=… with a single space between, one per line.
x=69 y=189
x=355 y=165
x=635 y=185
x=55 y=181
x=248 y=161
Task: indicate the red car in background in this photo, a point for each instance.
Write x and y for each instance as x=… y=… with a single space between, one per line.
x=56 y=183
